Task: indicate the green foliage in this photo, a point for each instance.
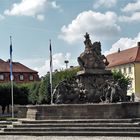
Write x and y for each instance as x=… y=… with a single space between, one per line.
x=20 y=94
x=124 y=80
x=66 y=74
x=5 y=95
x=3 y=118
x=23 y=94
x=33 y=92
x=44 y=90
x=36 y=92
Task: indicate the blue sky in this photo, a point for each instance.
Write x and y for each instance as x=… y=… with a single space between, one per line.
x=31 y=23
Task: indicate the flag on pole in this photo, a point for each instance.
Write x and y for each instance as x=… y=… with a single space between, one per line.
x=11 y=67
x=51 y=69
x=50 y=57
x=11 y=78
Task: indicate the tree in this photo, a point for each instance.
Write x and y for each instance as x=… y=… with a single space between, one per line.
x=44 y=96
x=124 y=81
x=57 y=77
x=65 y=74
x=33 y=95
x=36 y=92
x=5 y=96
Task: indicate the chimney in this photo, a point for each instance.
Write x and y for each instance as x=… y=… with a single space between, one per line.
x=138 y=43
x=8 y=60
x=119 y=50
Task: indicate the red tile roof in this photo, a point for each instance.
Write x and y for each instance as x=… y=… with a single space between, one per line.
x=17 y=67
x=1 y=61
x=124 y=57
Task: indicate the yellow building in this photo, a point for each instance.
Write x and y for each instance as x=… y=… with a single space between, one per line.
x=128 y=62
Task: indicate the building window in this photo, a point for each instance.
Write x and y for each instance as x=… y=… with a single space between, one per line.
x=120 y=70
x=124 y=70
x=13 y=77
x=1 y=76
x=130 y=85
x=31 y=78
x=130 y=70
x=21 y=77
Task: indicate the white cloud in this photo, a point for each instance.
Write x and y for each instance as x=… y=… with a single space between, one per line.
x=31 y=62
x=26 y=8
x=135 y=17
x=124 y=43
x=2 y=17
x=96 y=23
x=104 y=3
x=132 y=7
x=68 y=56
x=56 y=6
x=40 y=17
x=58 y=63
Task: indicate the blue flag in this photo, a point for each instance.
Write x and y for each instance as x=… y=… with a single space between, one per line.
x=50 y=56
x=10 y=50
x=11 y=67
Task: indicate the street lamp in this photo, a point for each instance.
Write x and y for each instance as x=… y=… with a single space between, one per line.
x=66 y=62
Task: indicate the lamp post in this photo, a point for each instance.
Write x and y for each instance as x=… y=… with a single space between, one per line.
x=66 y=62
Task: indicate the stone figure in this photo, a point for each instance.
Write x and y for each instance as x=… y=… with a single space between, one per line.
x=114 y=93
x=133 y=97
x=92 y=58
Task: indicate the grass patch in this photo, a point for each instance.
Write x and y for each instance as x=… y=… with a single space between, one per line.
x=7 y=119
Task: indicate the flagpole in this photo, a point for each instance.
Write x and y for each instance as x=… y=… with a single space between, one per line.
x=51 y=69
x=11 y=78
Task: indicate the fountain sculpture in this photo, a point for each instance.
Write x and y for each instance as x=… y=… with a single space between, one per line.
x=91 y=94
x=92 y=84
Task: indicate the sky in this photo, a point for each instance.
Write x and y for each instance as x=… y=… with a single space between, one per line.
x=32 y=23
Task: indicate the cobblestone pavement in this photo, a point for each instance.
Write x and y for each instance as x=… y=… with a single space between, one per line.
x=65 y=138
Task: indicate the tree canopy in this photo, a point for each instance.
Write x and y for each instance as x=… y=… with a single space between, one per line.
x=39 y=92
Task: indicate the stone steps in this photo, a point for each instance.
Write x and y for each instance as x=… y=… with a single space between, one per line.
x=111 y=129
x=80 y=121
x=73 y=133
x=4 y=124
x=78 y=125
x=89 y=127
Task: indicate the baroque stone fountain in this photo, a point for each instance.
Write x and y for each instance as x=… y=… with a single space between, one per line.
x=91 y=94
x=92 y=84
